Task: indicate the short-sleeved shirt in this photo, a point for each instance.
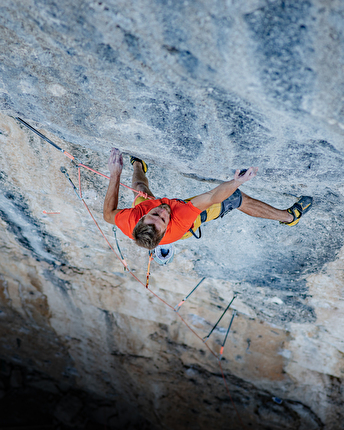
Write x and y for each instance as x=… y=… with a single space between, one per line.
x=182 y=218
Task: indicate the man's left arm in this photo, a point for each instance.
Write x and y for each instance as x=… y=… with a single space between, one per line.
x=111 y=198
x=223 y=191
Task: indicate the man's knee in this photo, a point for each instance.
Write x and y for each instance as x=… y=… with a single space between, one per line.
x=245 y=200
x=141 y=186
x=232 y=202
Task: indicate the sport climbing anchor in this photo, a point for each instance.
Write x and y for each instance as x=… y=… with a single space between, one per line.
x=153 y=221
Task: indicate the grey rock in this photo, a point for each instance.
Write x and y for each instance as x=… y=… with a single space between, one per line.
x=197 y=89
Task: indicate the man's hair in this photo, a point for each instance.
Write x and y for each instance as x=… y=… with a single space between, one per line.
x=147 y=235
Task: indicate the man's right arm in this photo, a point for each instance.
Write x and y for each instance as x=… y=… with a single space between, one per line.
x=223 y=191
x=111 y=198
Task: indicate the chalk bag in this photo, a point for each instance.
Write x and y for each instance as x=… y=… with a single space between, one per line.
x=163 y=254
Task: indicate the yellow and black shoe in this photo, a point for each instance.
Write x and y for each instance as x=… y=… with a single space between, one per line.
x=298 y=209
x=144 y=165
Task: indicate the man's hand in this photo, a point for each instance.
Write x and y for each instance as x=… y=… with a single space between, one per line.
x=223 y=191
x=115 y=163
x=251 y=173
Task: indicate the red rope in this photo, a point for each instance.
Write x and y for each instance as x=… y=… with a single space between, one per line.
x=140 y=193
x=146 y=285
x=79 y=176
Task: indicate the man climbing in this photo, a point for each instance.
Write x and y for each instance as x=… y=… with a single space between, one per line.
x=152 y=221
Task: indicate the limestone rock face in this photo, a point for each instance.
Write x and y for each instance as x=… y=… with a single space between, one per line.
x=197 y=89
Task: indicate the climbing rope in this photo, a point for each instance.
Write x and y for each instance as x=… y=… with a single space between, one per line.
x=78 y=192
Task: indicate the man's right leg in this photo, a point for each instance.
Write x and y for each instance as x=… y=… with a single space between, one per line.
x=139 y=180
x=259 y=209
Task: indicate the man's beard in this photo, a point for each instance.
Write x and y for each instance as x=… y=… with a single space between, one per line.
x=165 y=206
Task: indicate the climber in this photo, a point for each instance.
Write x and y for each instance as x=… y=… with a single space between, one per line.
x=152 y=221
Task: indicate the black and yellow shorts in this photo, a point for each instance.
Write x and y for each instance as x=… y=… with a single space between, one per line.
x=213 y=212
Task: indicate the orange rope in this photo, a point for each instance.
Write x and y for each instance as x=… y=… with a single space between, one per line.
x=224 y=379
x=140 y=193
x=79 y=176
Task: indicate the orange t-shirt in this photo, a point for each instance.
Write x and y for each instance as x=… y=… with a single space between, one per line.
x=183 y=216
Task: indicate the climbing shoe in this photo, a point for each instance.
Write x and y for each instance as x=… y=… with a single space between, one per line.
x=144 y=165
x=298 y=209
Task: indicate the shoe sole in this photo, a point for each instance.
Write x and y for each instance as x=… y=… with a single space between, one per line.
x=303 y=205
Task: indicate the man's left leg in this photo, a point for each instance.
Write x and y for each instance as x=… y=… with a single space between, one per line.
x=139 y=180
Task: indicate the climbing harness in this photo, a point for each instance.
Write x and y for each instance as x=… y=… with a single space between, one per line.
x=194 y=234
x=76 y=163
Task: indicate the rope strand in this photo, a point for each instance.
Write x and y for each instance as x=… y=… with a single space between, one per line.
x=140 y=193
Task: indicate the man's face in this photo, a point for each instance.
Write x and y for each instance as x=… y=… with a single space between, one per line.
x=159 y=216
